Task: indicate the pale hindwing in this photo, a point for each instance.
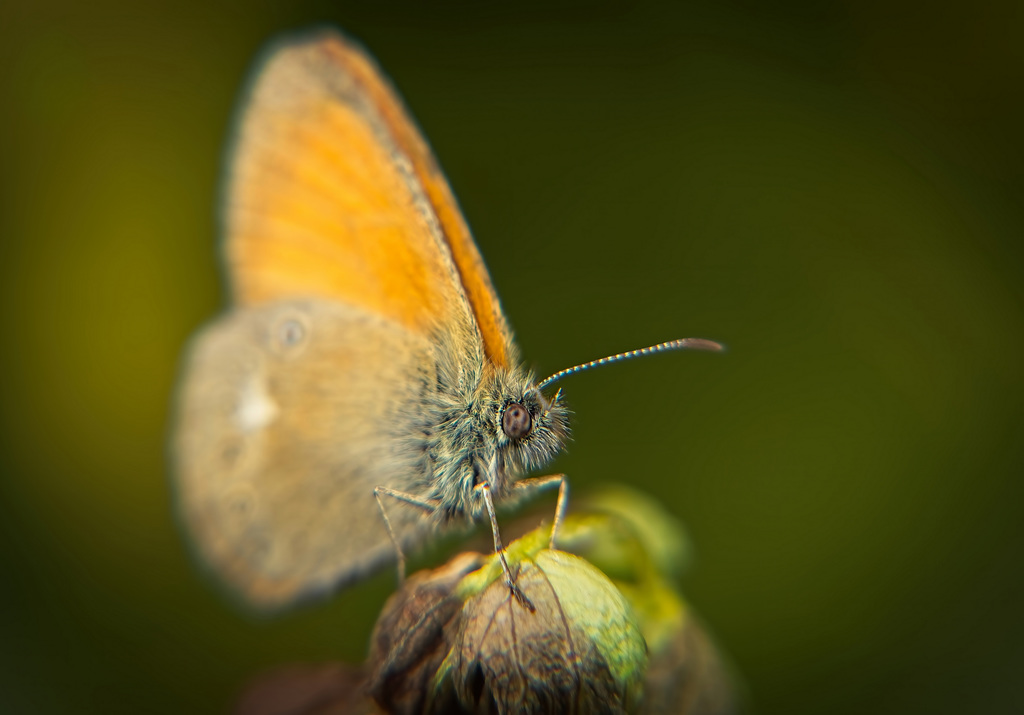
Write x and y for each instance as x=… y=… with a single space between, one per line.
x=290 y=414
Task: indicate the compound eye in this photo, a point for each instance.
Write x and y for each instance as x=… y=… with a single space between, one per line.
x=516 y=421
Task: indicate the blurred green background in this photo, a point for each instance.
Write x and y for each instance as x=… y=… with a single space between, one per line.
x=833 y=190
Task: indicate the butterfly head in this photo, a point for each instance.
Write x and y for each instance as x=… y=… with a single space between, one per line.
x=531 y=428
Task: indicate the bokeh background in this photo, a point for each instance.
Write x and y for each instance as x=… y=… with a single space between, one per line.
x=833 y=190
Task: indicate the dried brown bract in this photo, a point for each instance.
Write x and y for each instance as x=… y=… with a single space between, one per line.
x=413 y=636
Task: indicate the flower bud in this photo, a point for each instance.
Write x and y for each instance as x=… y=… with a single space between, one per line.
x=580 y=650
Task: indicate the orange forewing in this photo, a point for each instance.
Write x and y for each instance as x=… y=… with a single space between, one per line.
x=333 y=193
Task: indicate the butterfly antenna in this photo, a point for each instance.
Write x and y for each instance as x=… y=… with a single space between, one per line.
x=682 y=344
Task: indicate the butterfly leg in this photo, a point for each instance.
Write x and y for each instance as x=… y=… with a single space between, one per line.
x=427 y=505
x=537 y=484
x=499 y=549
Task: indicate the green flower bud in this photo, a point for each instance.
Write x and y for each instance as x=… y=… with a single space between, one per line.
x=662 y=537
x=579 y=651
x=602 y=629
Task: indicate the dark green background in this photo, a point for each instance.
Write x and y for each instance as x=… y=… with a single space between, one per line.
x=834 y=191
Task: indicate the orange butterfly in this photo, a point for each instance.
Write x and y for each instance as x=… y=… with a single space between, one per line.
x=365 y=356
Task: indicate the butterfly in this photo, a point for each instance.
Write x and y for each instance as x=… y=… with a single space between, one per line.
x=363 y=387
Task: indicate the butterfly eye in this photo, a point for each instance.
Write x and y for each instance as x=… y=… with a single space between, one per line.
x=516 y=421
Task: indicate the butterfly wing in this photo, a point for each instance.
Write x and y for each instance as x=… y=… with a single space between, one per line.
x=337 y=216
x=334 y=193
x=292 y=413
